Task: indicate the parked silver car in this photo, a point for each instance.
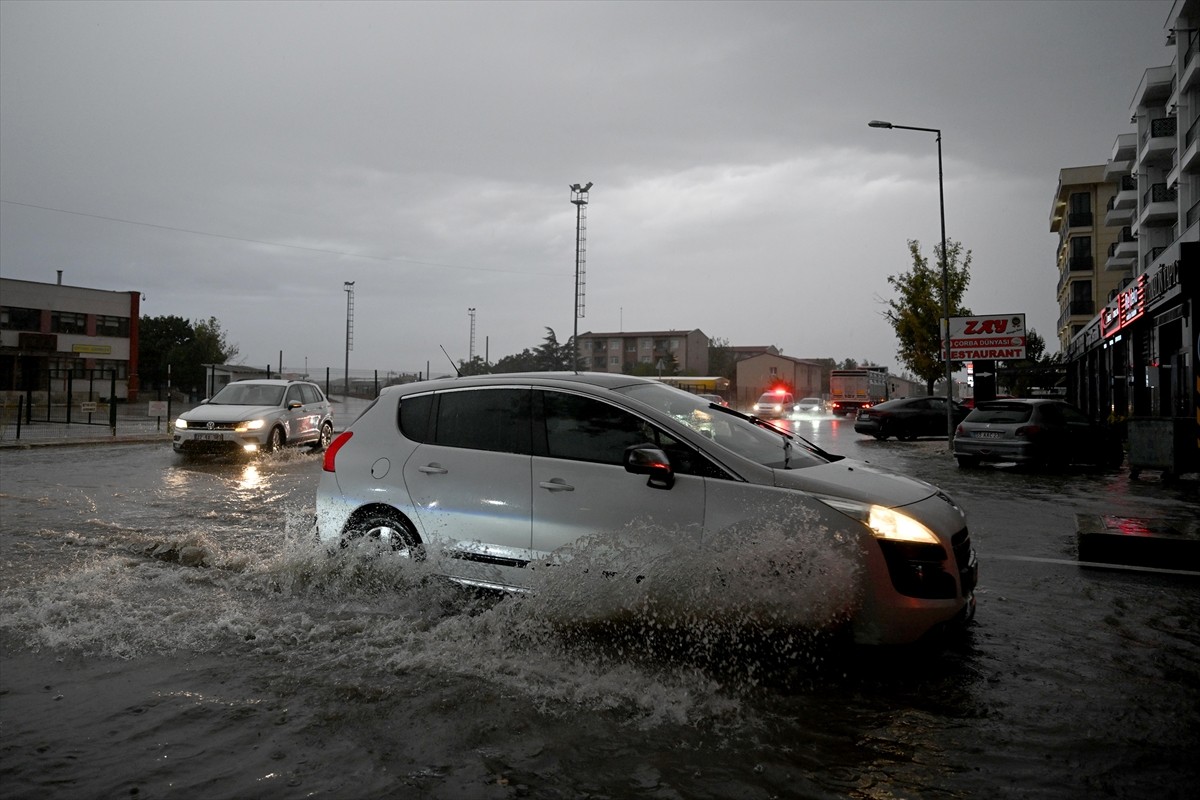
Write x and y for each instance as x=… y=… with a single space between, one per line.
x=256 y=415
x=1039 y=432
x=505 y=481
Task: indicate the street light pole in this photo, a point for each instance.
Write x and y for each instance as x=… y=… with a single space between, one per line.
x=579 y=196
x=945 y=323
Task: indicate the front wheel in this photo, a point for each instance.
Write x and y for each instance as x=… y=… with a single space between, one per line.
x=275 y=440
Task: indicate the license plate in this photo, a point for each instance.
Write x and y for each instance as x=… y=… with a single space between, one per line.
x=989 y=435
x=209 y=437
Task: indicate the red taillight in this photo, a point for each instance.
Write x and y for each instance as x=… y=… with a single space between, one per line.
x=1029 y=431
x=331 y=451
x=958 y=431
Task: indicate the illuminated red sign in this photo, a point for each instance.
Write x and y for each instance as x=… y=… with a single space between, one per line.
x=1128 y=305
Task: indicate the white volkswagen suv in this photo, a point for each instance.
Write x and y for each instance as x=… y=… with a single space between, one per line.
x=256 y=415
x=506 y=481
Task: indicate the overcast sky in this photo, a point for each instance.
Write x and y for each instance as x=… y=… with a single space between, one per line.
x=243 y=160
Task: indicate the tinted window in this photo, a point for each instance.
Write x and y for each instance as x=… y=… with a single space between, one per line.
x=310 y=393
x=293 y=395
x=1074 y=416
x=485 y=419
x=584 y=429
x=414 y=417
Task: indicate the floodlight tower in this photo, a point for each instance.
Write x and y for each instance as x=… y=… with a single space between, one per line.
x=471 y=350
x=579 y=196
x=348 y=287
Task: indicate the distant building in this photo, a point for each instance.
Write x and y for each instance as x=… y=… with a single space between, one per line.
x=53 y=335
x=1094 y=257
x=619 y=352
x=765 y=371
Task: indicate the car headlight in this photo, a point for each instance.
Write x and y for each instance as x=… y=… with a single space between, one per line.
x=180 y=423
x=250 y=425
x=883 y=522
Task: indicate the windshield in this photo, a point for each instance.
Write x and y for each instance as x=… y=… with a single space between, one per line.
x=248 y=394
x=756 y=441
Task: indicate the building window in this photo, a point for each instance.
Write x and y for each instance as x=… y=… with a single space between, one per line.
x=647 y=344
x=112 y=326
x=1079 y=210
x=674 y=345
x=631 y=347
x=67 y=322
x=614 y=361
x=20 y=319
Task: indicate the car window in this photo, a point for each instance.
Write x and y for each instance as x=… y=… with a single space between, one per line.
x=415 y=417
x=1074 y=416
x=310 y=393
x=248 y=394
x=1001 y=413
x=585 y=429
x=485 y=419
x=293 y=395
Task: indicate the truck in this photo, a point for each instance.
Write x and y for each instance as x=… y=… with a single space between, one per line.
x=854 y=389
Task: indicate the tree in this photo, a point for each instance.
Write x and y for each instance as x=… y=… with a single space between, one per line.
x=721 y=362
x=916 y=314
x=183 y=346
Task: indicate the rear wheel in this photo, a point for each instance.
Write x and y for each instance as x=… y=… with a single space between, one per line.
x=380 y=531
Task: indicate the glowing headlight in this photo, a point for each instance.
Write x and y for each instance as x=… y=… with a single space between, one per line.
x=180 y=423
x=250 y=425
x=884 y=523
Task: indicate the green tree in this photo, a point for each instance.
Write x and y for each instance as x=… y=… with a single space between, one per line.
x=917 y=311
x=185 y=346
x=721 y=362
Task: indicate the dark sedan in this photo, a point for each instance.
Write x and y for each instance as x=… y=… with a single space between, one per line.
x=908 y=418
x=1042 y=432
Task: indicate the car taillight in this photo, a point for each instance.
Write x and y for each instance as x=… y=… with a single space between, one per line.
x=331 y=451
x=1029 y=431
x=958 y=431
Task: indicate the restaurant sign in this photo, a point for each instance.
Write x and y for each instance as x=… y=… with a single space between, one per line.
x=980 y=338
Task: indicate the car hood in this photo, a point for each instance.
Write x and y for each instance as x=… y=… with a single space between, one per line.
x=220 y=412
x=857 y=480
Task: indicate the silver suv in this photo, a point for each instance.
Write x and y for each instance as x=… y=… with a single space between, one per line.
x=256 y=415
x=544 y=482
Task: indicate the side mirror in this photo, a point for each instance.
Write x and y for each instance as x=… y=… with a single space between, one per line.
x=648 y=459
x=292 y=406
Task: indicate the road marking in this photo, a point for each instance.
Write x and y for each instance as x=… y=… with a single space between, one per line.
x=1096 y=564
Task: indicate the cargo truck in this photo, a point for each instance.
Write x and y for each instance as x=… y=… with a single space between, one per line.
x=853 y=389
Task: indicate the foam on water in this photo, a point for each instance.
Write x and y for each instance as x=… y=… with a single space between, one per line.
x=630 y=623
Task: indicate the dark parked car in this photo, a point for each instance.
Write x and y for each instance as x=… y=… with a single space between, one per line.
x=908 y=418
x=1036 y=432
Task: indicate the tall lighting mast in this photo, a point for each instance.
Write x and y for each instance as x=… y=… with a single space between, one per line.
x=579 y=196
x=348 y=287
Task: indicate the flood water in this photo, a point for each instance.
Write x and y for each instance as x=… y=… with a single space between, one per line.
x=170 y=629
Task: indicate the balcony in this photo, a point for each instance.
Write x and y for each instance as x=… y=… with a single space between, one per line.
x=1114 y=216
x=1151 y=256
x=1159 y=141
x=1190 y=160
x=1079 y=219
x=1159 y=206
x=1127 y=193
x=1076 y=308
x=1120 y=163
x=1122 y=254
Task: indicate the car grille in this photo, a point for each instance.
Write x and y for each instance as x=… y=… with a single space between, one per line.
x=920 y=570
x=216 y=426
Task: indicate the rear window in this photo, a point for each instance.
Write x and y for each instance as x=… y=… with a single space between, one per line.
x=1001 y=413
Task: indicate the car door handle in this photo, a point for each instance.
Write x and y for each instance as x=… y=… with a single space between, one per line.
x=433 y=469
x=557 y=485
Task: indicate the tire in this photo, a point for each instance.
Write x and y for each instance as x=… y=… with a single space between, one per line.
x=881 y=437
x=275 y=440
x=967 y=462
x=325 y=438
x=381 y=531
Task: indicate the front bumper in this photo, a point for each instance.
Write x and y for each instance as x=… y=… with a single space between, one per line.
x=201 y=441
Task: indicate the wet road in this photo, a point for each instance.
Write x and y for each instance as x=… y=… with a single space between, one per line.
x=169 y=629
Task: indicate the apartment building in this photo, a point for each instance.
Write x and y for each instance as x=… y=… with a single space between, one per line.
x=52 y=335
x=1137 y=356
x=619 y=352
x=1090 y=265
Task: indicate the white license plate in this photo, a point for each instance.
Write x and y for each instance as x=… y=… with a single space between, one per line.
x=988 y=435
x=209 y=437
